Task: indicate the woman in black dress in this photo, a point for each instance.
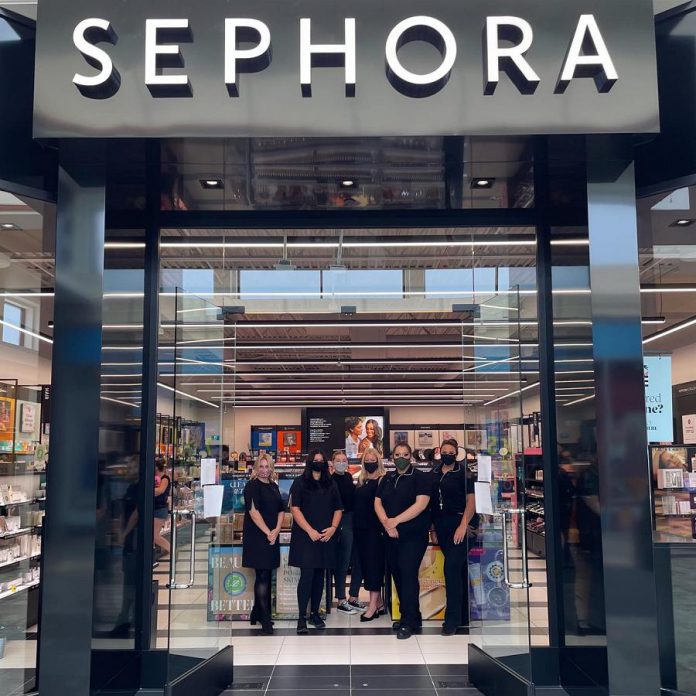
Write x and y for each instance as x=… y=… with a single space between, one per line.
x=454 y=517
x=401 y=504
x=262 y=522
x=316 y=510
x=368 y=532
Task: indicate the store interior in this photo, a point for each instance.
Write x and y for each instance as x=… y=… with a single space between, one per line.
x=432 y=329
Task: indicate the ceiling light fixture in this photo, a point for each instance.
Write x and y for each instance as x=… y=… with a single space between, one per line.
x=673 y=329
x=211 y=184
x=683 y=222
x=579 y=401
x=347 y=183
x=10 y=226
x=517 y=391
x=33 y=334
x=189 y=396
x=483 y=183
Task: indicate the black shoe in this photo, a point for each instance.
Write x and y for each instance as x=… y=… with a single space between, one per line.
x=404 y=632
x=448 y=630
x=382 y=611
x=302 y=627
x=364 y=618
x=267 y=629
x=316 y=620
x=254 y=616
x=396 y=625
x=417 y=629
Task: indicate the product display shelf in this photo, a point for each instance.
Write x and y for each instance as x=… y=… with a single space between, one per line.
x=19 y=588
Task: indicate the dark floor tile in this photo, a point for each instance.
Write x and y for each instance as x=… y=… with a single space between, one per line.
x=396 y=681
x=449 y=669
x=242 y=672
x=311 y=670
x=459 y=692
x=388 y=670
x=313 y=683
x=233 y=692
x=318 y=692
x=453 y=683
x=249 y=683
x=398 y=692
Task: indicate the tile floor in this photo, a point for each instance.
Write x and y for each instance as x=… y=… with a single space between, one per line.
x=347 y=648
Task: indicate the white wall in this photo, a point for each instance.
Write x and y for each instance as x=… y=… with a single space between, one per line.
x=26 y=366
x=684 y=364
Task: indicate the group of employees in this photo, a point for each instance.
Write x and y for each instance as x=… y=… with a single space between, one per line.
x=338 y=524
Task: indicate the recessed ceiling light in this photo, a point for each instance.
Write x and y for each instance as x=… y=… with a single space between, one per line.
x=683 y=222
x=10 y=226
x=347 y=183
x=212 y=183
x=484 y=183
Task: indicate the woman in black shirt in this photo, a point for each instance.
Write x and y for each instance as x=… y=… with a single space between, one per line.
x=316 y=510
x=368 y=532
x=401 y=504
x=262 y=522
x=454 y=513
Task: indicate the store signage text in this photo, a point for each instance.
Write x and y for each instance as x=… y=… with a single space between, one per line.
x=505 y=43
x=310 y=68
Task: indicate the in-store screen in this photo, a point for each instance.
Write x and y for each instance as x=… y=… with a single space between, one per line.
x=351 y=430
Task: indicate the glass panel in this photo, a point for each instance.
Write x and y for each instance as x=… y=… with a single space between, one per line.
x=27 y=272
x=198 y=569
x=429 y=333
x=331 y=173
x=118 y=475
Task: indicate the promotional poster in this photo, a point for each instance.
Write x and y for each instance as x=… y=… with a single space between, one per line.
x=657 y=372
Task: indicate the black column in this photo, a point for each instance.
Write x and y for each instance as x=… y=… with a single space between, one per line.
x=629 y=581
x=70 y=524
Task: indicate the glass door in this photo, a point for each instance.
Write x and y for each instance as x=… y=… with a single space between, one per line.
x=498 y=562
x=195 y=462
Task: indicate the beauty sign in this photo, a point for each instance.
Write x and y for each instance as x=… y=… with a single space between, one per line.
x=657 y=374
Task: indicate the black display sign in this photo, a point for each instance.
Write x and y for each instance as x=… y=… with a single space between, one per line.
x=310 y=68
x=351 y=430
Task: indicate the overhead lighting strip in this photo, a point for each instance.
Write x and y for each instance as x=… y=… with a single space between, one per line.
x=513 y=393
x=187 y=395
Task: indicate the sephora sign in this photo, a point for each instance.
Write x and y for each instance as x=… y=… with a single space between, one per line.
x=311 y=68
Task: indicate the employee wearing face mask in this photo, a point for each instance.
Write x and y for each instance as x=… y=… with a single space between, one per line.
x=401 y=504
x=454 y=516
x=345 y=552
x=316 y=509
x=368 y=532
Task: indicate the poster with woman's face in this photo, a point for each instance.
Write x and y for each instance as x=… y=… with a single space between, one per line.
x=363 y=433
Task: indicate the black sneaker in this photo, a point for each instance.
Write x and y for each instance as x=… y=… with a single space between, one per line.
x=448 y=630
x=316 y=620
x=396 y=625
x=357 y=605
x=302 y=627
x=345 y=608
x=404 y=632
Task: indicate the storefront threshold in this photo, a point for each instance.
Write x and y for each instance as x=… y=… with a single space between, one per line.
x=209 y=678
x=493 y=677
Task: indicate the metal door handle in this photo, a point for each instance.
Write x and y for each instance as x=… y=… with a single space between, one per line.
x=192 y=563
x=525 y=584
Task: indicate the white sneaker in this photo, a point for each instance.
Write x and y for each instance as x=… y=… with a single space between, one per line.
x=346 y=608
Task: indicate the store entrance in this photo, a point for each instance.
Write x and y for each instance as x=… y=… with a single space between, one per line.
x=275 y=343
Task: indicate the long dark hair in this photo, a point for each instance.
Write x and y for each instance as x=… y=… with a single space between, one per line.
x=325 y=480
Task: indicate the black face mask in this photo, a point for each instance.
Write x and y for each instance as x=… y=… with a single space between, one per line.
x=318 y=466
x=448 y=459
x=371 y=467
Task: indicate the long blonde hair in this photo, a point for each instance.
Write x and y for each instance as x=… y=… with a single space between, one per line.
x=255 y=471
x=362 y=476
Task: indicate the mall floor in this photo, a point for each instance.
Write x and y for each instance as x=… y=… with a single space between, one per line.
x=348 y=655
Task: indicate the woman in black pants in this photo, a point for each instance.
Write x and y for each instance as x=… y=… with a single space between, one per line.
x=454 y=514
x=262 y=522
x=316 y=510
x=401 y=504
x=368 y=532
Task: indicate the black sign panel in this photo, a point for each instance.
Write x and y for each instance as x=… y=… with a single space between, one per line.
x=312 y=68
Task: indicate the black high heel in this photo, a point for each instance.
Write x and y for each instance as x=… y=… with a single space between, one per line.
x=364 y=618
